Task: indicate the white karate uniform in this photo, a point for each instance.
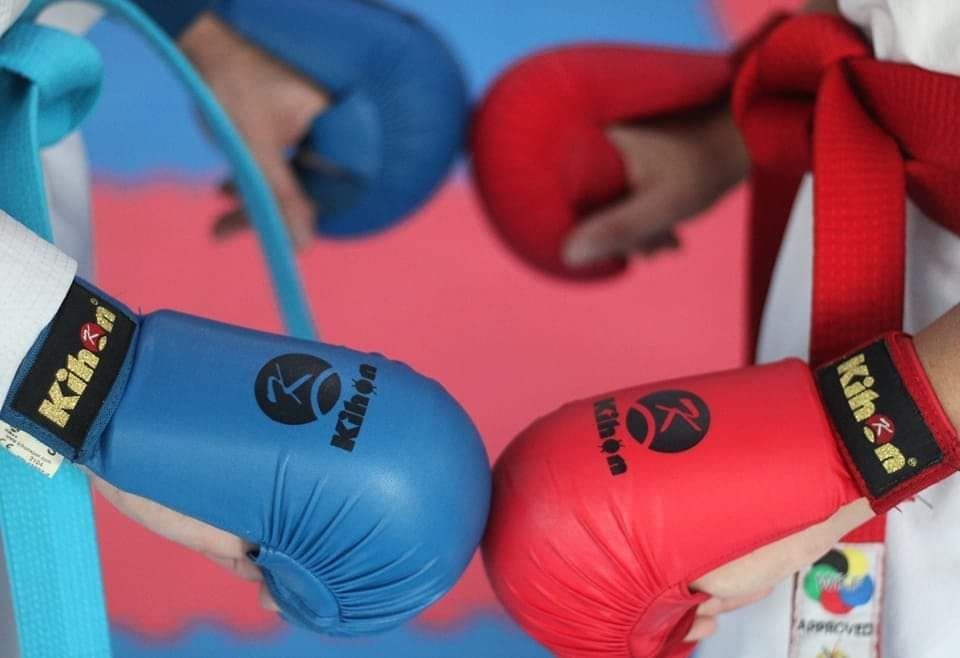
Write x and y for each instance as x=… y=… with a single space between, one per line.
x=923 y=545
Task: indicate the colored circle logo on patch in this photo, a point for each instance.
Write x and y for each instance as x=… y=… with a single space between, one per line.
x=840 y=581
x=832 y=653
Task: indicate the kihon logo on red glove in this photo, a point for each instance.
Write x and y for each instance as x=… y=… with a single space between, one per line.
x=669 y=421
x=665 y=421
x=863 y=393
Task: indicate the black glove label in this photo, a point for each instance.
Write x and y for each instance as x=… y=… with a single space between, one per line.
x=666 y=421
x=878 y=421
x=76 y=367
x=295 y=389
x=669 y=421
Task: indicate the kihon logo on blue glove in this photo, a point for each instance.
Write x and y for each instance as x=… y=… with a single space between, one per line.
x=292 y=390
x=295 y=389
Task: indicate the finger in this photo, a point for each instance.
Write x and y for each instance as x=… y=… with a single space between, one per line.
x=703 y=627
x=616 y=230
x=717 y=605
x=177 y=527
x=711 y=607
x=241 y=567
x=266 y=600
x=665 y=241
x=297 y=209
x=230 y=223
x=735 y=602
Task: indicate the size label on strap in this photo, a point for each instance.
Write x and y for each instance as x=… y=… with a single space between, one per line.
x=28 y=449
x=837 y=603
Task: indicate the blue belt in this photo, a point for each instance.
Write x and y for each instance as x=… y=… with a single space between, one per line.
x=49 y=80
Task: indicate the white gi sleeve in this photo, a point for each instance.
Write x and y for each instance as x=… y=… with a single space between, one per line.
x=10 y=11
x=34 y=279
x=925 y=33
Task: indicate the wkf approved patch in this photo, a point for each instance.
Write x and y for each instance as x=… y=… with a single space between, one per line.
x=837 y=602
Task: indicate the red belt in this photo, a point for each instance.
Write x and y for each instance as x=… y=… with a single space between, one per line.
x=810 y=96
